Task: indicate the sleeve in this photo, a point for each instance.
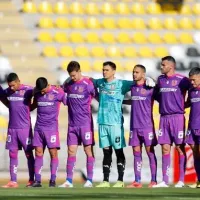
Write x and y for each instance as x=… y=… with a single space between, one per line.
x=91 y=89
x=62 y=96
x=156 y=93
x=185 y=84
x=97 y=82
x=126 y=86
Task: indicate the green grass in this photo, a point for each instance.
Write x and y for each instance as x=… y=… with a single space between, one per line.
x=98 y=193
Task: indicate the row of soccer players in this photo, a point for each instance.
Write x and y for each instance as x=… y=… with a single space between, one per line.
x=169 y=92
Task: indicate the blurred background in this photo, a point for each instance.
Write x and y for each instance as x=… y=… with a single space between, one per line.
x=40 y=37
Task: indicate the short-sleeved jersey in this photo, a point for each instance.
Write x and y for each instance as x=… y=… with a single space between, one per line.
x=142 y=98
x=48 y=107
x=111 y=95
x=194 y=99
x=79 y=97
x=171 y=93
x=19 y=107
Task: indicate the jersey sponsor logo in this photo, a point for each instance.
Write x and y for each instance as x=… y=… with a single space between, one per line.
x=174 y=82
x=45 y=103
x=193 y=100
x=15 y=98
x=50 y=96
x=136 y=98
x=168 y=89
x=76 y=96
x=107 y=92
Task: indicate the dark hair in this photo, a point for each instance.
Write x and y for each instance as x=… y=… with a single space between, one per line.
x=73 y=66
x=169 y=58
x=12 y=77
x=111 y=64
x=194 y=71
x=41 y=83
x=142 y=67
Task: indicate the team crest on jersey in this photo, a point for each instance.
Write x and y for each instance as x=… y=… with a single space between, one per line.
x=21 y=92
x=174 y=82
x=112 y=87
x=143 y=91
x=50 y=96
x=80 y=88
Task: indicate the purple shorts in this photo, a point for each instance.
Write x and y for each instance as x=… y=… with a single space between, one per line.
x=47 y=138
x=80 y=134
x=138 y=136
x=193 y=137
x=18 y=138
x=172 y=129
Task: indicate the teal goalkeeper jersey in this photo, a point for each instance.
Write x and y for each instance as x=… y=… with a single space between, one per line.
x=111 y=95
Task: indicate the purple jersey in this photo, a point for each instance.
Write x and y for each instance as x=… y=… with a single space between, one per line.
x=19 y=107
x=79 y=97
x=171 y=93
x=194 y=99
x=48 y=106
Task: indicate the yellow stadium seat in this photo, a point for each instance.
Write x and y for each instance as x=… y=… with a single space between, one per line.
x=185 y=10
x=64 y=64
x=77 y=22
x=129 y=65
x=113 y=51
x=170 y=38
x=98 y=65
x=124 y=23
x=186 y=38
x=91 y=8
x=108 y=23
x=122 y=8
x=98 y=51
x=60 y=8
x=155 y=23
x=123 y=37
x=45 y=7
x=139 y=38
x=196 y=8
x=129 y=52
x=197 y=23
x=154 y=8
x=92 y=37
x=169 y=8
x=29 y=7
x=62 y=22
x=145 y=52
x=60 y=37
x=81 y=51
x=45 y=37
x=108 y=38
x=170 y=23
x=92 y=23
x=66 y=51
x=3 y=122
x=76 y=37
x=119 y=66
x=186 y=23
x=85 y=65
x=138 y=8
x=50 y=51
x=45 y=22
x=107 y=8
x=160 y=52
x=154 y=38
x=138 y=23
x=76 y=8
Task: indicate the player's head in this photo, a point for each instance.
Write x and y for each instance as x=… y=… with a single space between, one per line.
x=139 y=72
x=13 y=81
x=194 y=76
x=168 y=65
x=109 y=69
x=74 y=70
x=41 y=85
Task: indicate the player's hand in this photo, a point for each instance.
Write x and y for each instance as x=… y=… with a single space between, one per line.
x=150 y=82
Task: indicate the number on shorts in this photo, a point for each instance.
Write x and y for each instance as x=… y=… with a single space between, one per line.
x=8 y=138
x=188 y=132
x=117 y=140
x=151 y=136
x=160 y=132
x=53 y=138
x=87 y=135
x=131 y=134
x=28 y=141
x=180 y=134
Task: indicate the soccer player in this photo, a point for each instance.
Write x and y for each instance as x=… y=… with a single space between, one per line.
x=142 y=125
x=110 y=120
x=80 y=91
x=47 y=99
x=19 y=128
x=193 y=133
x=171 y=88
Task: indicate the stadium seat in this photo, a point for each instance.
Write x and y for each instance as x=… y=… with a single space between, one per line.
x=76 y=37
x=138 y=23
x=160 y=52
x=76 y=8
x=113 y=51
x=122 y=8
x=180 y=66
x=60 y=8
x=129 y=52
x=185 y=10
x=45 y=37
x=196 y=8
x=64 y=64
x=169 y=8
x=62 y=23
x=60 y=37
x=77 y=22
x=154 y=8
x=138 y=8
x=81 y=51
x=197 y=23
x=170 y=38
x=139 y=38
x=98 y=65
x=185 y=23
x=92 y=23
x=194 y=64
x=123 y=37
x=155 y=23
x=85 y=65
x=107 y=8
x=177 y=51
x=145 y=52
x=29 y=7
x=45 y=22
x=186 y=38
x=192 y=52
x=91 y=8
x=50 y=51
x=108 y=23
x=92 y=37
x=3 y=122
x=124 y=23
x=98 y=51
x=129 y=66
x=119 y=66
x=45 y=8
x=108 y=38
x=154 y=38
x=66 y=51
x=170 y=23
